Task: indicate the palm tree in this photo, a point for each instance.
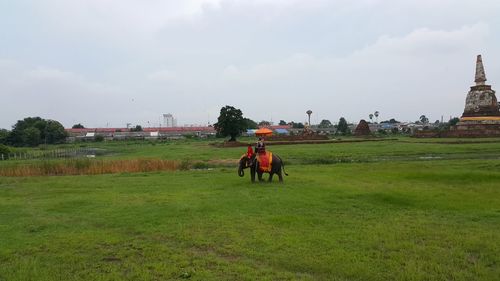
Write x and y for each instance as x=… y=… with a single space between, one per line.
x=309 y=112
x=376 y=115
x=371 y=117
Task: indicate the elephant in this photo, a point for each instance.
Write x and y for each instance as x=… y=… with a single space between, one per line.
x=276 y=166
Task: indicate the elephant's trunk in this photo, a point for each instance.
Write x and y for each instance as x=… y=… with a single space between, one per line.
x=241 y=173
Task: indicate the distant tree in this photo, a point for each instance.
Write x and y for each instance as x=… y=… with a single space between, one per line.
x=371 y=117
x=342 y=126
x=391 y=121
x=78 y=126
x=282 y=123
x=325 y=124
x=16 y=135
x=31 y=136
x=230 y=122
x=4 y=134
x=54 y=132
x=436 y=122
x=137 y=128
x=264 y=123
x=32 y=131
x=454 y=121
x=423 y=119
x=250 y=124
x=297 y=125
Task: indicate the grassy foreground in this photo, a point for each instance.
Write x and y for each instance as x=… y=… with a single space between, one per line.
x=368 y=221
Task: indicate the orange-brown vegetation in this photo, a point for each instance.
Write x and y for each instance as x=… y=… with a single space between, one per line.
x=89 y=167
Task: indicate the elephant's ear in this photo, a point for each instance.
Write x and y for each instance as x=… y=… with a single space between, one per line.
x=243 y=156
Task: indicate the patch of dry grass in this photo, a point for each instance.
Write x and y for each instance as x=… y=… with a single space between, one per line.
x=88 y=167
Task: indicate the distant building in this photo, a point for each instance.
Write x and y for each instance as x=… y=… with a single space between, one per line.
x=146 y=133
x=281 y=131
x=169 y=121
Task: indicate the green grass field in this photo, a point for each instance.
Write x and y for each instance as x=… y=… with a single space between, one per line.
x=402 y=209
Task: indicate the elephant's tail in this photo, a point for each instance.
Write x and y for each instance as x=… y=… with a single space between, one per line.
x=282 y=165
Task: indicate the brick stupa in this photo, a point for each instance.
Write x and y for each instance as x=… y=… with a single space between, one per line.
x=481 y=117
x=362 y=129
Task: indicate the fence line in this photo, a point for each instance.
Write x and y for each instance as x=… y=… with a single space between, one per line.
x=50 y=154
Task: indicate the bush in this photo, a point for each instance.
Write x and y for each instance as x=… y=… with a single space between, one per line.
x=381 y=132
x=81 y=164
x=137 y=128
x=43 y=147
x=200 y=165
x=78 y=126
x=454 y=121
x=99 y=138
x=185 y=165
x=5 y=151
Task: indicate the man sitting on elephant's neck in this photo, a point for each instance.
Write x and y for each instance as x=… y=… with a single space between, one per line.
x=260 y=148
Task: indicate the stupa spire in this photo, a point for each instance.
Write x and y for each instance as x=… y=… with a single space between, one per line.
x=480 y=75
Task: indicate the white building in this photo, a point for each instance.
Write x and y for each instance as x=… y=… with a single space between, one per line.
x=169 y=121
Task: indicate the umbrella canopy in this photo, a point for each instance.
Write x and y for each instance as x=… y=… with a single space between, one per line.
x=263 y=132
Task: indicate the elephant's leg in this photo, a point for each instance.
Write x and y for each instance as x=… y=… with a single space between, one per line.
x=252 y=174
x=259 y=174
x=271 y=176
x=280 y=176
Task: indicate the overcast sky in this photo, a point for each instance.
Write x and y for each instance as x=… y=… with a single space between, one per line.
x=111 y=62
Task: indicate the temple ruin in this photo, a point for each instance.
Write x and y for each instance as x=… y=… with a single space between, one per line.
x=481 y=117
x=481 y=100
x=362 y=129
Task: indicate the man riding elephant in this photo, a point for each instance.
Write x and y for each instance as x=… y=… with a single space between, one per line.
x=260 y=146
x=260 y=162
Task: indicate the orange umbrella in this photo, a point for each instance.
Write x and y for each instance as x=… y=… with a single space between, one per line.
x=263 y=132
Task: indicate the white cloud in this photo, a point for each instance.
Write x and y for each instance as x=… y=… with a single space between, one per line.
x=425 y=41
x=122 y=14
x=162 y=75
x=425 y=72
x=45 y=73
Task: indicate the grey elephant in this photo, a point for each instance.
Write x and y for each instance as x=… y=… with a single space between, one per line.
x=277 y=166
